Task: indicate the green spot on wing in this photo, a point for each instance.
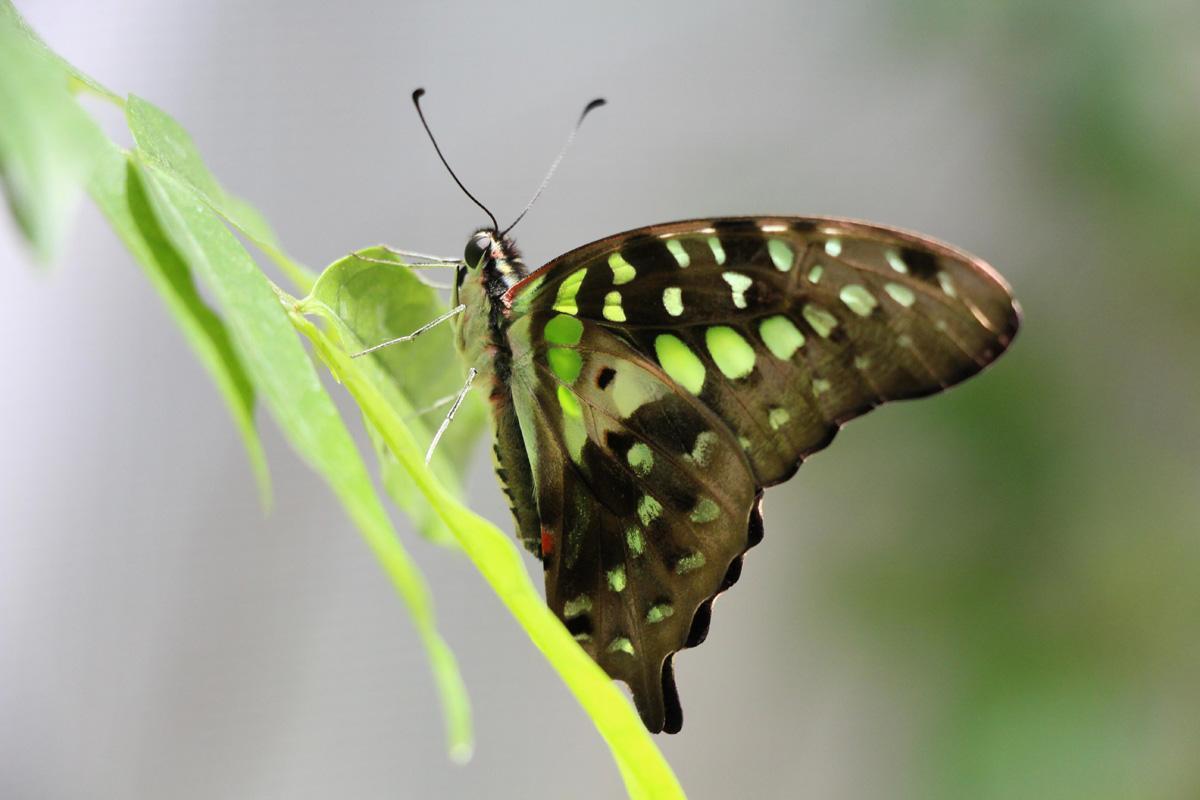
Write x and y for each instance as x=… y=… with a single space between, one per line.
x=821 y=320
x=702 y=449
x=569 y=403
x=781 y=336
x=565 y=363
x=616 y=578
x=673 y=300
x=633 y=538
x=858 y=299
x=580 y=605
x=718 y=251
x=574 y=434
x=681 y=256
x=641 y=458
x=623 y=271
x=733 y=354
x=659 y=612
x=564 y=301
x=564 y=329
x=705 y=511
x=612 y=307
x=689 y=563
x=739 y=283
x=648 y=509
x=677 y=359
x=621 y=645
x=781 y=254
x=900 y=293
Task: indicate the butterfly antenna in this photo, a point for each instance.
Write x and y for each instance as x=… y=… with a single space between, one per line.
x=416 y=98
x=599 y=101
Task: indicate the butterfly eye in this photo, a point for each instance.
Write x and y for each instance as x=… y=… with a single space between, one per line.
x=477 y=248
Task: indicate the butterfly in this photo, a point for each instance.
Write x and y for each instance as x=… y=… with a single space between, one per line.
x=647 y=387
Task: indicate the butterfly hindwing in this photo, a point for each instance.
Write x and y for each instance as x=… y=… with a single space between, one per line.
x=662 y=377
x=647 y=502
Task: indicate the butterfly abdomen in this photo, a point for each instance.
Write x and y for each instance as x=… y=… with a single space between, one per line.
x=514 y=473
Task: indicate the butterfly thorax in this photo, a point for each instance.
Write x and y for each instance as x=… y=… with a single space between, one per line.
x=491 y=267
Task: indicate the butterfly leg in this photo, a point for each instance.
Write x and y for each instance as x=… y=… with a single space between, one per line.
x=409 y=337
x=441 y=402
x=471 y=373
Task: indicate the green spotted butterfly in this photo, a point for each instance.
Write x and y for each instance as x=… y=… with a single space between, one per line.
x=645 y=389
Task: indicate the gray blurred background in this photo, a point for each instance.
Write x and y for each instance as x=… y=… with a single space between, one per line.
x=988 y=594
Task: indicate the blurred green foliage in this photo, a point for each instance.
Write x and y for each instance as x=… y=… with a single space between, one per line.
x=1046 y=610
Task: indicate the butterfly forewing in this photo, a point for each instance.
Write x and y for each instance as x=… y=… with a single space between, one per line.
x=799 y=324
x=664 y=376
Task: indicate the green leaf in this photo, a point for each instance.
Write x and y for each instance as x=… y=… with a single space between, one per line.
x=292 y=391
x=48 y=145
x=495 y=555
x=368 y=303
x=165 y=144
x=9 y=17
x=118 y=191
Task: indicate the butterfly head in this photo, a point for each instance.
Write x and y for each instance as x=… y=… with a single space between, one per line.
x=480 y=248
x=493 y=260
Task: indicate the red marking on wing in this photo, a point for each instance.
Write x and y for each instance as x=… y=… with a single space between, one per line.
x=521 y=285
x=547 y=542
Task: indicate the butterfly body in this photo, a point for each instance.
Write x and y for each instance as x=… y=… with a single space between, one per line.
x=645 y=389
